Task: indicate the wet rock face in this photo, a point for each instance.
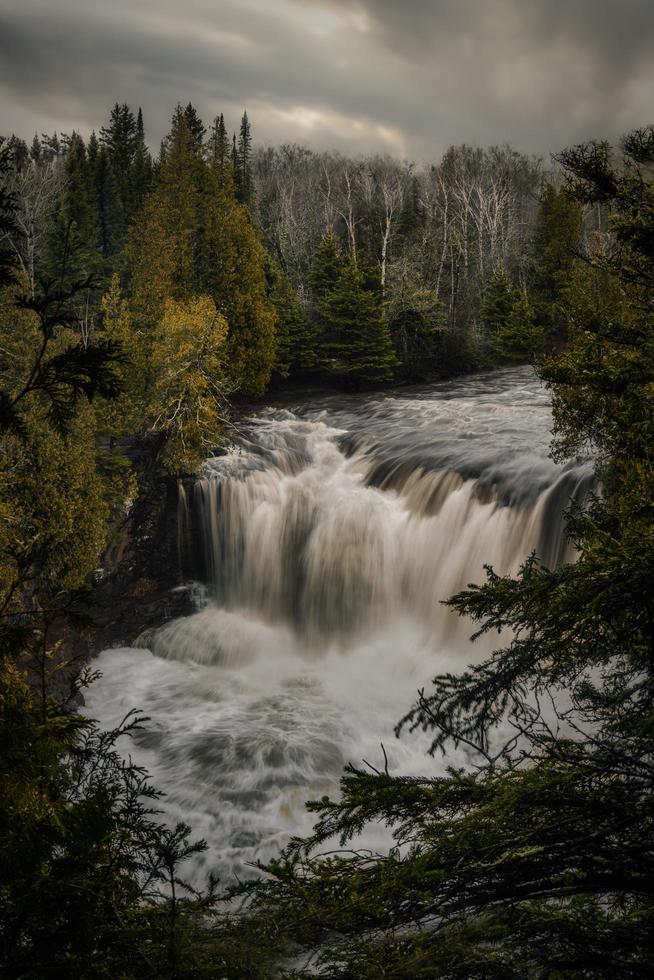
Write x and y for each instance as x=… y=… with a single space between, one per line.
x=138 y=585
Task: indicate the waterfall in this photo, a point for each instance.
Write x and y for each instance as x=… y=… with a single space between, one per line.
x=326 y=539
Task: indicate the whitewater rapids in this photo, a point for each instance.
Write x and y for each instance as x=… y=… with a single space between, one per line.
x=325 y=540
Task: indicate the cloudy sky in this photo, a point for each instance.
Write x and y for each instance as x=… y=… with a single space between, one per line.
x=408 y=77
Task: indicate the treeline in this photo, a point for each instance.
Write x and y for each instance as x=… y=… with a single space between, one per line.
x=361 y=272
x=443 y=242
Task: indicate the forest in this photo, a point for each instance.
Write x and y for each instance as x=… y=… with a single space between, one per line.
x=145 y=299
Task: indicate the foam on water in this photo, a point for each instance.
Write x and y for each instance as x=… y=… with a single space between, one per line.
x=327 y=538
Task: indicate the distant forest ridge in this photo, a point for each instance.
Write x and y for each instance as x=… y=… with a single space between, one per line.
x=446 y=268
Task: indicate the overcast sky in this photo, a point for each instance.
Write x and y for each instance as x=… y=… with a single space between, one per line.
x=408 y=77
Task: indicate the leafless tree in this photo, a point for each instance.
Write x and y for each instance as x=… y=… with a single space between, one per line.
x=38 y=189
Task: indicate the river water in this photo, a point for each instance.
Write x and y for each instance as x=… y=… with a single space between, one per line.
x=324 y=542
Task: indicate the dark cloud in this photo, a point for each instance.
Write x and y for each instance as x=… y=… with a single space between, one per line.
x=408 y=77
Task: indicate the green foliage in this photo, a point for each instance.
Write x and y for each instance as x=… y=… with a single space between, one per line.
x=325 y=270
x=295 y=343
x=498 y=301
x=416 y=320
x=73 y=248
x=508 y=319
x=356 y=344
x=106 y=196
x=90 y=880
x=50 y=366
x=244 y=178
x=193 y=238
x=236 y=280
x=519 y=339
x=556 y=243
x=127 y=167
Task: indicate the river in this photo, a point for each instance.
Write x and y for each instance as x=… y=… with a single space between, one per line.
x=323 y=543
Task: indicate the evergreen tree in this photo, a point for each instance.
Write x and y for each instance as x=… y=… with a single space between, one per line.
x=245 y=183
x=73 y=248
x=416 y=320
x=120 y=140
x=236 y=168
x=108 y=207
x=219 y=153
x=498 y=301
x=295 y=344
x=19 y=152
x=85 y=868
x=519 y=339
x=166 y=247
x=35 y=149
x=195 y=126
x=356 y=345
x=50 y=147
x=141 y=167
x=194 y=238
x=92 y=152
x=234 y=263
x=326 y=268
x=557 y=239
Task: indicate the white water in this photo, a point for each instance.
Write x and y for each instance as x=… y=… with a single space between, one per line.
x=327 y=538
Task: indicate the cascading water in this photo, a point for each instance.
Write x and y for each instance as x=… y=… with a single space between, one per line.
x=326 y=539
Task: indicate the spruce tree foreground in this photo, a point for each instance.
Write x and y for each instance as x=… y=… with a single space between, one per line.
x=141 y=300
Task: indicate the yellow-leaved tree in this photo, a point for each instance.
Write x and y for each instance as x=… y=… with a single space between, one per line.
x=188 y=360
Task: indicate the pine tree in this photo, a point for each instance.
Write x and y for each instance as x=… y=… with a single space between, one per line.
x=120 y=140
x=234 y=275
x=92 y=151
x=295 y=344
x=356 y=345
x=195 y=126
x=519 y=339
x=219 y=156
x=557 y=239
x=35 y=149
x=236 y=169
x=19 y=152
x=244 y=163
x=167 y=245
x=85 y=869
x=141 y=167
x=108 y=206
x=326 y=268
x=498 y=301
x=50 y=147
x=73 y=248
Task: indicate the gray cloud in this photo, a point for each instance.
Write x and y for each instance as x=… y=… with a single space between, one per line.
x=405 y=77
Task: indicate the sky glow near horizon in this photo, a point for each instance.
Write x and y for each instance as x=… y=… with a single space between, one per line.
x=406 y=78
